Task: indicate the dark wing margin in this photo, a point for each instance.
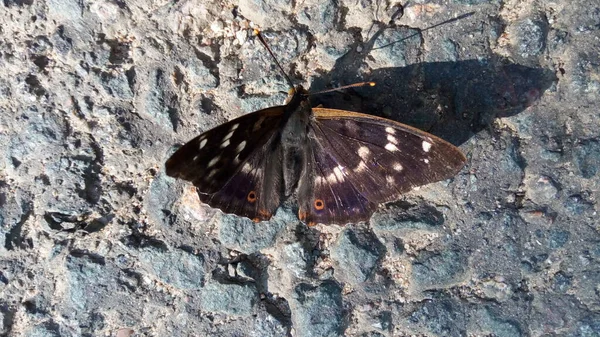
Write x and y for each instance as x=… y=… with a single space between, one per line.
x=237 y=166
x=357 y=161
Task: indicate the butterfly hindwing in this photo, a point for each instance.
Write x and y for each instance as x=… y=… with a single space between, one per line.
x=357 y=161
x=325 y=192
x=237 y=166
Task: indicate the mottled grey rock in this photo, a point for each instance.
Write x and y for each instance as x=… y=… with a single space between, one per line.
x=259 y=71
x=231 y=299
x=541 y=190
x=440 y=317
x=587 y=158
x=356 y=255
x=408 y=216
x=396 y=47
x=161 y=197
x=488 y=321
x=531 y=37
x=46 y=329
x=437 y=269
x=317 y=310
x=175 y=267
x=244 y=235
x=160 y=100
x=577 y=205
x=118 y=85
x=255 y=103
x=199 y=76
x=320 y=16
x=294 y=258
x=267 y=13
x=558 y=238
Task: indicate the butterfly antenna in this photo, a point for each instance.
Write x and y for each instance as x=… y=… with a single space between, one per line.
x=264 y=42
x=353 y=85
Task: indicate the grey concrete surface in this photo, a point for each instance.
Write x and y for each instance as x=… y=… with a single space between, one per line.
x=95 y=239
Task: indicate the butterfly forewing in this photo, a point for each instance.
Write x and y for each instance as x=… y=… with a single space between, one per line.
x=357 y=161
x=237 y=166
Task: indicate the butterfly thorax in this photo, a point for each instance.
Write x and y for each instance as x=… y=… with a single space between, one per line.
x=294 y=137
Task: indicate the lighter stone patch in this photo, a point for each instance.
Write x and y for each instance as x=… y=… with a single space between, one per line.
x=225 y=144
x=390 y=179
x=202 y=143
x=391 y=147
x=426 y=146
x=240 y=147
x=398 y=167
x=213 y=161
x=364 y=152
x=390 y=130
x=392 y=139
x=319 y=180
x=426 y=161
x=361 y=167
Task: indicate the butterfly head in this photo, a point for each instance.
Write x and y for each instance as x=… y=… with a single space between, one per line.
x=297 y=94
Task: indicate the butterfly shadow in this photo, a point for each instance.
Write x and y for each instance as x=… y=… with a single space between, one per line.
x=452 y=100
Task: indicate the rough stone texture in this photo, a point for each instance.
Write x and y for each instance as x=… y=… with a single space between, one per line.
x=95 y=240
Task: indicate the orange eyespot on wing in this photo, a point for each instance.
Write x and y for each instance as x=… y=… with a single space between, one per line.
x=319 y=204
x=251 y=196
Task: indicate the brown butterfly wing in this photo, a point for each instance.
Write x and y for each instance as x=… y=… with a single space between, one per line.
x=237 y=166
x=356 y=161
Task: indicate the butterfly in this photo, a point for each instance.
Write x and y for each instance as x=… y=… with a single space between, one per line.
x=340 y=165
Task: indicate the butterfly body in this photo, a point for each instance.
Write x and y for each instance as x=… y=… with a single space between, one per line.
x=340 y=165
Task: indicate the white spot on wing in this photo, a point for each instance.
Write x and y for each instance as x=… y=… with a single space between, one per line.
x=211 y=174
x=391 y=147
x=339 y=173
x=361 y=167
x=227 y=136
x=390 y=179
x=213 y=161
x=234 y=126
x=390 y=130
x=225 y=144
x=240 y=147
x=364 y=152
x=392 y=139
x=246 y=168
x=398 y=167
x=236 y=160
x=202 y=143
x=426 y=146
x=319 y=180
